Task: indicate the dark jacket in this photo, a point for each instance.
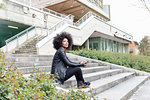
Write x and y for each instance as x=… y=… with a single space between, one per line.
x=60 y=64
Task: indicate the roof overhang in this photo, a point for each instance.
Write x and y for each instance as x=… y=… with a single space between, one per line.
x=78 y=8
x=98 y=34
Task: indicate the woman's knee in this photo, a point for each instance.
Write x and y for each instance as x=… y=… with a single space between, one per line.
x=78 y=69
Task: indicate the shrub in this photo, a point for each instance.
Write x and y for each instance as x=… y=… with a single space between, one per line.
x=2 y=5
x=13 y=86
x=132 y=61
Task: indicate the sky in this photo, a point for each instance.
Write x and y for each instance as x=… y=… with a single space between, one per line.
x=130 y=16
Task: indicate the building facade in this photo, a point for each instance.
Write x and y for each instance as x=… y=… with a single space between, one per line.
x=134 y=48
x=88 y=21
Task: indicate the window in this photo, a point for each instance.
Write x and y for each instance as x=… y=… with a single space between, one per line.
x=95 y=46
x=103 y=44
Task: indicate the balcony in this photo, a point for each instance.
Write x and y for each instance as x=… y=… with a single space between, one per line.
x=78 y=8
x=97 y=3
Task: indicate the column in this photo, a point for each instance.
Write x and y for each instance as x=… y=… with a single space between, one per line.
x=87 y=44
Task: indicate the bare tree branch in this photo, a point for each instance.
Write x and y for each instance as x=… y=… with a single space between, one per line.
x=146 y=4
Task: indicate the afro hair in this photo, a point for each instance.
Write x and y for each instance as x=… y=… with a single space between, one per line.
x=57 y=42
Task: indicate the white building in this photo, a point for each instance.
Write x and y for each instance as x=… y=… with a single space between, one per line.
x=86 y=20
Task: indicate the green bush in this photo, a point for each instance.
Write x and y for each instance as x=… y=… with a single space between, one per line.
x=2 y=5
x=13 y=86
x=132 y=61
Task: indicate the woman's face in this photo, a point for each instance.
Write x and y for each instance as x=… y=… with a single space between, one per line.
x=65 y=43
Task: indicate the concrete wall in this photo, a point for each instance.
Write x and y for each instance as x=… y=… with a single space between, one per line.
x=44 y=3
x=21 y=13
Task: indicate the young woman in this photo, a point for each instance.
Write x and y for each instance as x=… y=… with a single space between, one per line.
x=62 y=67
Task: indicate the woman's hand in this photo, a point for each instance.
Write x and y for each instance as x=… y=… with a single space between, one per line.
x=84 y=63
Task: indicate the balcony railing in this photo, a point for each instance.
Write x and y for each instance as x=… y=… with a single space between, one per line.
x=27 y=3
x=86 y=16
x=97 y=3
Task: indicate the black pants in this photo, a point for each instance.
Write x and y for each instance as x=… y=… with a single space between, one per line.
x=74 y=71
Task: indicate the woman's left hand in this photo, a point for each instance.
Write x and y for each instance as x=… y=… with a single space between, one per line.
x=84 y=63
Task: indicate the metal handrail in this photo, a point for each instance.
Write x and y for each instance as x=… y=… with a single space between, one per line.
x=19 y=34
x=83 y=19
x=26 y=31
x=86 y=16
x=53 y=12
x=58 y=25
x=61 y=23
x=97 y=3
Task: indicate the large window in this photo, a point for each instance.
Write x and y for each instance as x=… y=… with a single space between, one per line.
x=107 y=45
x=95 y=46
x=103 y=43
x=94 y=43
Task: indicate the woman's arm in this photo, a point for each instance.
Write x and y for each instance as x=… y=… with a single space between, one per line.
x=64 y=58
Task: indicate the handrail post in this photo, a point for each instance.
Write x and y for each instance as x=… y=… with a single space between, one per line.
x=27 y=34
x=35 y=31
x=6 y=46
x=17 y=42
x=47 y=31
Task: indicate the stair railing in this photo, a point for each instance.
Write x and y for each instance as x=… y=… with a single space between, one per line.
x=83 y=19
x=67 y=19
x=53 y=12
x=17 y=36
x=86 y=16
x=58 y=25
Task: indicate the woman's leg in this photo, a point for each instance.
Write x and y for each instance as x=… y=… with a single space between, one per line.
x=74 y=71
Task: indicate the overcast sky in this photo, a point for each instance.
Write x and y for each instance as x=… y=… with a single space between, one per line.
x=130 y=16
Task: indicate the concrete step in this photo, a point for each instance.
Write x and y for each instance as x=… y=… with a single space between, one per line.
x=143 y=93
x=29 y=47
x=92 y=64
x=123 y=90
x=94 y=69
x=92 y=77
x=103 y=84
x=27 y=50
x=29 y=70
x=30 y=64
x=28 y=59
x=37 y=62
x=24 y=52
x=84 y=70
x=26 y=55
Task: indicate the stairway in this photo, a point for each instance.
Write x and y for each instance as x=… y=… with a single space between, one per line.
x=29 y=47
x=107 y=82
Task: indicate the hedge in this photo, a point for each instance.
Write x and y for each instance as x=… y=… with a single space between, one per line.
x=138 y=62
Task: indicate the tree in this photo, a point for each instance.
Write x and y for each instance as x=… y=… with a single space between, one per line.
x=144 y=46
x=146 y=4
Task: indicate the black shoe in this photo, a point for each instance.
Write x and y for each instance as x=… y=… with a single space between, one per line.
x=80 y=84
x=87 y=83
